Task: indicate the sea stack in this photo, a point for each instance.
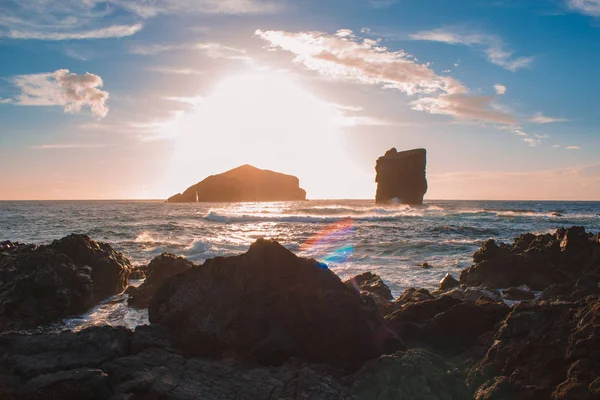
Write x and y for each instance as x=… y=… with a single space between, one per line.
x=401 y=177
x=245 y=183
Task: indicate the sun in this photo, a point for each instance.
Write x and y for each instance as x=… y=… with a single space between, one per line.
x=265 y=119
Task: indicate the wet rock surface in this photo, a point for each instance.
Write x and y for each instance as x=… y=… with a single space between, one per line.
x=270 y=325
x=159 y=270
x=537 y=261
x=40 y=284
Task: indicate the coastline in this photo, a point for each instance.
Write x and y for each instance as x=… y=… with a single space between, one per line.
x=491 y=349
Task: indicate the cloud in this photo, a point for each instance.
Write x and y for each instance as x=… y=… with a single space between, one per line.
x=62 y=88
x=492 y=46
x=114 y=31
x=176 y=71
x=540 y=118
x=573 y=147
x=88 y=19
x=211 y=49
x=344 y=56
x=67 y=146
x=5 y=101
x=589 y=7
x=465 y=107
x=500 y=89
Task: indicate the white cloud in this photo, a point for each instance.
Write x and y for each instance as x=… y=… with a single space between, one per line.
x=365 y=61
x=500 y=89
x=540 y=118
x=176 y=71
x=492 y=46
x=589 y=7
x=463 y=106
x=573 y=147
x=62 y=88
x=114 y=31
x=87 y=19
x=67 y=146
x=211 y=49
x=5 y=101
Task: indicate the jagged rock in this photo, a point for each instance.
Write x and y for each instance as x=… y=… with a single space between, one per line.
x=82 y=383
x=544 y=350
x=46 y=283
x=245 y=183
x=536 y=261
x=138 y=272
x=518 y=293
x=416 y=375
x=271 y=304
x=371 y=283
x=412 y=295
x=401 y=175
x=110 y=270
x=474 y=294
x=159 y=270
x=449 y=282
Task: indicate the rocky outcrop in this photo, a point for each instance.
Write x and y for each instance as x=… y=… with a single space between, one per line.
x=113 y=363
x=543 y=351
x=537 y=261
x=272 y=305
x=40 y=284
x=402 y=176
x=159 y=270
x=245 y=183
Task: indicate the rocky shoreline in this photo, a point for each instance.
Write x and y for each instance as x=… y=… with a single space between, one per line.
x=523 y=322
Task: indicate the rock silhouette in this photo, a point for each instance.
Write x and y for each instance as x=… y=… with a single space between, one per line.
x=245 y=183
x=401 y=176
x=273 y=305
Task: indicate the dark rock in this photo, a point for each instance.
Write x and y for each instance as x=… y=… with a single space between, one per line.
x=518 y=293
x=426 y=265
x=449 y=282
x=536 y=261
x=110 y=270
x=46 y=283
x=83 y=383
x=245 y=183
x=159 y=270
x=138 y=272
x=474 y=294
x=416 y=375
x=412 y=295
x=98 y=363
x=273 y=305
x=544 y=350
x=371 y=283
x=401 y=175
x=455 y=330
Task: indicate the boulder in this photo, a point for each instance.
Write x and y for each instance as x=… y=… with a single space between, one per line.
x=245 y=183
x=272 y=305
x=371 y=283
x=537 y=261
x=449 y=282
x=159 y=270
x=110 y=270
x=401 y=176
x=44 y=283
x=544 y=350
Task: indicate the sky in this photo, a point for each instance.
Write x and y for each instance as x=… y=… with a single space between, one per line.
x=125 y=99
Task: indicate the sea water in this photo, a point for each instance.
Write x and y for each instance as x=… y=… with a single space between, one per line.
x=350 y=236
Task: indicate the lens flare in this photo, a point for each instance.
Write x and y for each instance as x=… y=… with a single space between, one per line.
x=332 y=244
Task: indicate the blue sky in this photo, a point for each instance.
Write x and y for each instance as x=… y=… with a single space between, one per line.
x=140 y=99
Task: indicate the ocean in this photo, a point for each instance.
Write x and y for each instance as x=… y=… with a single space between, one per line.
x=350 y=236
